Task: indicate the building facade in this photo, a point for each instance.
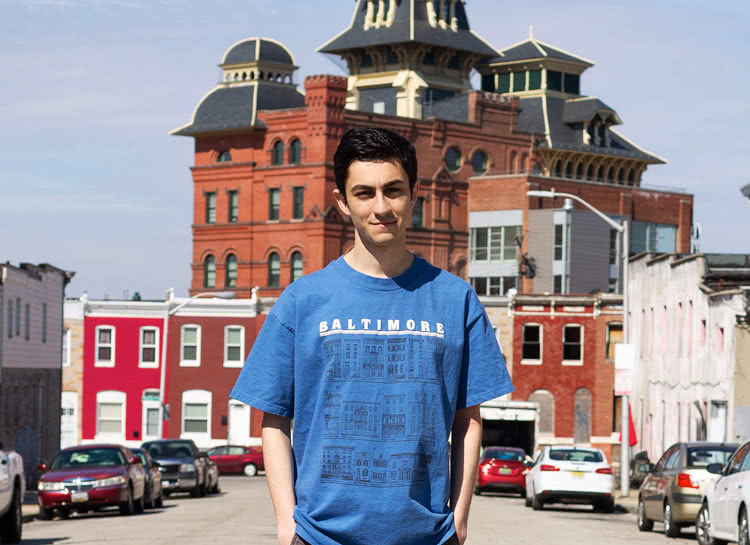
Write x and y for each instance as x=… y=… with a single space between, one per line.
x=563 y=360
x=31 y=299
x=689 y=331
x=72 y=372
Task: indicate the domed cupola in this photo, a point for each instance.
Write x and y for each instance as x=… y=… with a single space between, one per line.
x=258 y=59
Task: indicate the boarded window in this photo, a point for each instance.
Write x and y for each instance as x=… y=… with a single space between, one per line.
x=546 y=410
x=582 y=416
x=535 y=79
x=519 y=81
x=503 y=82
x=614 y=336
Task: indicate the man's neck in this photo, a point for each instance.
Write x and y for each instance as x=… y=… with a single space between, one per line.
x=380 y=262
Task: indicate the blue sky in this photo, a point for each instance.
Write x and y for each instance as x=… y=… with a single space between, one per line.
x=92 y=182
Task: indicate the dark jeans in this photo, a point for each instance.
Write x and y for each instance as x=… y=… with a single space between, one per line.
x=299 y=541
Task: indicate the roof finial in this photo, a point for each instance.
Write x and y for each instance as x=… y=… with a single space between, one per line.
x=531 y=32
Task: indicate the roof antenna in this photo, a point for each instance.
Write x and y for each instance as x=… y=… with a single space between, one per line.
x=531 y=32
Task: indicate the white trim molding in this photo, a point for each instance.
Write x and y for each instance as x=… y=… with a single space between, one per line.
x=111 y=345
x=197 y=361
x=155 y=346
x=234 y=363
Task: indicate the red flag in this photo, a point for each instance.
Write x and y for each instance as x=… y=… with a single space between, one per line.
x=633 y=439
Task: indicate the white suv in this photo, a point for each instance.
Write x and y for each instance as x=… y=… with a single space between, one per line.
x=723 y=515
x=571 y=475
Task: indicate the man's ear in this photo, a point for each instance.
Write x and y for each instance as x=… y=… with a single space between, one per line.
x=414 y=195
x=341 y=202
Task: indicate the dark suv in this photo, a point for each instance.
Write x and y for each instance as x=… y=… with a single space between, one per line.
x=182 y=465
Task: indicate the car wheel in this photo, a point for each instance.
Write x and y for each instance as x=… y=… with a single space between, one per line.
x=126 y=507
x=251 y=470
x=148 y=500
x=644 y=524
x=159 y=502
x=703 y=526
x=744 y=530
x=527 y=502
x=203 y=489
x=45 y=513
x=536 y=503
x=65 y=513
x=166 y=494
x=523 y=492
x=139 y=505
x=605 y=506
x=671 y=529
x=217 y=490
x=11 y=525
x=477 y=491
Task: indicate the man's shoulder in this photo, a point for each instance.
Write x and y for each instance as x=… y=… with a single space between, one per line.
x=445 y=279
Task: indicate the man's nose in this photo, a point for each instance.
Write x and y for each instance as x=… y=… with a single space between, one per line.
x=382 y=207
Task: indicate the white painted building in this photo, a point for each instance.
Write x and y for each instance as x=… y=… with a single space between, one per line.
x=31 y=303
x=684 y=316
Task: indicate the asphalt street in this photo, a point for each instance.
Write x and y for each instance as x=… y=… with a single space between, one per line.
x=242 y=514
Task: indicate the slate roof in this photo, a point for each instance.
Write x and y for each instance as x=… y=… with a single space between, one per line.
x=585 y=108
x=534 y=49
x=562 y=135
x=257 y=49
x=401 y=31
x=230 y=108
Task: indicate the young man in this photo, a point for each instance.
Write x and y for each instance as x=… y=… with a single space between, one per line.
x=378 y=358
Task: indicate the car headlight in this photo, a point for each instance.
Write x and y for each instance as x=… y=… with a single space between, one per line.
x=110 y=481
x=49 y=485
x=187 y=468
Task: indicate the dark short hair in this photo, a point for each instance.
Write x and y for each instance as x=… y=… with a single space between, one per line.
x=373 y=144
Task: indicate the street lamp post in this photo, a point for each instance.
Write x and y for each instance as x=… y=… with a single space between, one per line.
x=625 y=232
x=165 y=328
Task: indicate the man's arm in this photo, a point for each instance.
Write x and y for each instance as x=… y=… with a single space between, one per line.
x=279 y=462
x=465 y=443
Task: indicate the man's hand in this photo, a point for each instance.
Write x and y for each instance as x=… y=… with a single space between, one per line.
x=461 y=533
x=285 y=531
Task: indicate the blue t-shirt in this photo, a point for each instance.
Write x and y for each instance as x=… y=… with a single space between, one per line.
x=373 y=370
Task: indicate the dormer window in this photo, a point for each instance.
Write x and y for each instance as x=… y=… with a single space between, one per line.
x=554 y=80
x=224 y=157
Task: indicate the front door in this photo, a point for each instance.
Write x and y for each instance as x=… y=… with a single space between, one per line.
x=239 y=423
x=69 y=420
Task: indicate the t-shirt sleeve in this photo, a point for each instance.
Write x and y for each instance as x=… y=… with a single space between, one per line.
x=267 y=378
x=484 y=375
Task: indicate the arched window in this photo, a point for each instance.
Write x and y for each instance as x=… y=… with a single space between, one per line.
x=569 y=169
x=230 y=270
x=590 y=173
x=523 y=166
x=224 y=157
x=453 y=159
x=611 y=175
x=278 y=153
x=209 y=272
x=621 y=176
x=558 y=169
x=579 y=171
x=546 y=410
x=631 y=177
x=274 y=270
x=512 y=162
x=600 y=175
x=582 y=416
x=296 y=266
x=295 y=152
x=479 y=162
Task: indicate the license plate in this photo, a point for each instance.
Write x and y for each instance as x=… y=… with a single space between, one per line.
x=166 y=484
x=505 y=470
x=577 y=474
x=78 y=497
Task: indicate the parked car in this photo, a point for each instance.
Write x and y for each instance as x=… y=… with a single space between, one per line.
x=571 y=475
x=91 y=477
x=183 y=467
x=502 y=469
x=12 y=490
x=639 y=469
x=723 y=515
x=153 y=496
x=238 y=459
x=673 y=489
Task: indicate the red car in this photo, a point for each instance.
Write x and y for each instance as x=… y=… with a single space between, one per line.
x=237 y=459
x=502 y=469
x=90 y=477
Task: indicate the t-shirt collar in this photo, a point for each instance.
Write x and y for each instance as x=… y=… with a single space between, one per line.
x=403 y=281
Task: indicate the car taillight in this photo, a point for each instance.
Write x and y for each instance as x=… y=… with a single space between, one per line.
x=549 y=468
x=685 y=480
x=605 y=470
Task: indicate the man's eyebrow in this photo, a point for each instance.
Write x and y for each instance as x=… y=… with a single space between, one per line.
x=367 y=187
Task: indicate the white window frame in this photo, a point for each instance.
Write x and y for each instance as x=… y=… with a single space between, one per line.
x=227 y=362
x=527 y=361
x=196 y=396
x=111 y=396
x=66 y=351
x=97 y=361
x=147 y=404
x=197 y=361
x=573 y=362
x=149 y=364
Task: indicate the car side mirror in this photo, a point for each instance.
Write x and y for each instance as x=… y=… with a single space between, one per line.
x=528 y=463
x=41 y=467
x=716 y=469
x=646 y=467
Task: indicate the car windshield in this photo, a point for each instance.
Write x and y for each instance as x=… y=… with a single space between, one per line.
x=169 y=449
x=702 y=456
x=575 y=455
x=88 y=457
x=503 y=454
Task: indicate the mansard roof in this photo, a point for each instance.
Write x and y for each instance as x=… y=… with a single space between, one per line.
x=411 y=24
x=581 y=109
x=546 y=115
x=231 y=108
x=253 y=50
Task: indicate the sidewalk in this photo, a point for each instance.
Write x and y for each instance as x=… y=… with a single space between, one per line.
x=30 y=506
x=628 y=503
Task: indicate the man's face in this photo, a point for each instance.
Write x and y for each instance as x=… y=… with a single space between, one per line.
x=378 y=201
